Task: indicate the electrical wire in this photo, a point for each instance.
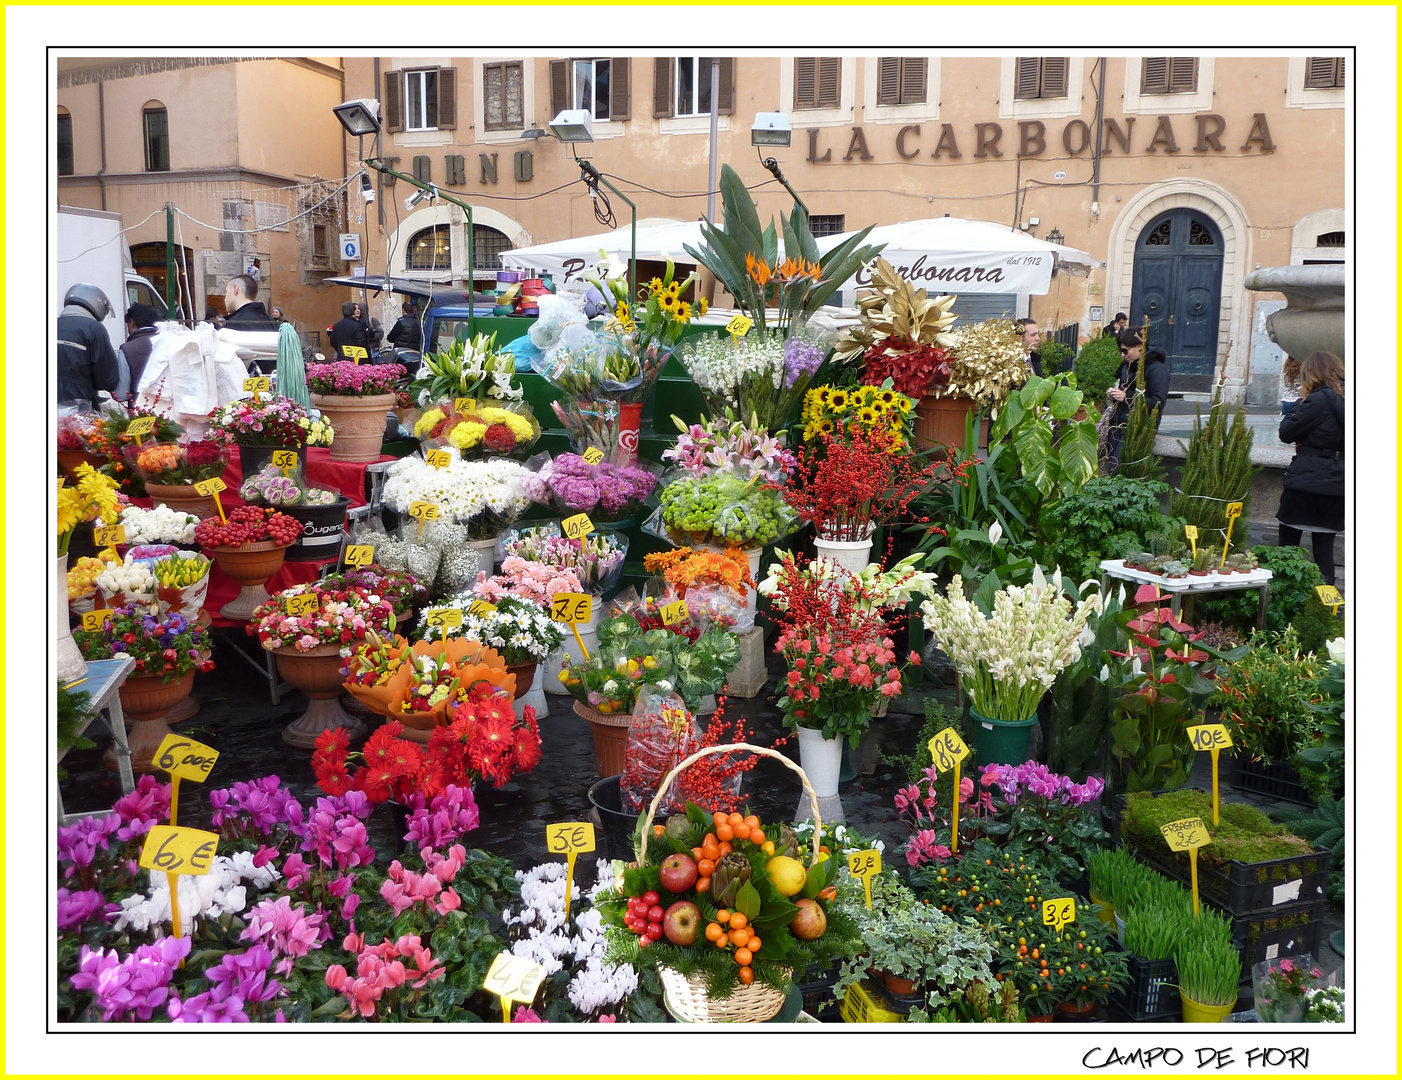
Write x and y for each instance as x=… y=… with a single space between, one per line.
x=129 y=228
x=277 y=224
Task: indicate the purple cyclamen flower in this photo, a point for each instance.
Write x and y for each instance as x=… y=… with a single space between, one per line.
x=295 y=871
x=290 y=932
x=134 y=987
x=206 y=1008
x=245 y=975
x=78 y=843
x=76 y=908
x=443 y=821
x=148 y=805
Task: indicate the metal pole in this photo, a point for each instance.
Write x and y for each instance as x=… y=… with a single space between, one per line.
x=471 y=279
x=715 y=127
x=172 y=293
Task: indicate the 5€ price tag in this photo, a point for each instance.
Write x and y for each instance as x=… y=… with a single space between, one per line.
x=93 y=620
x=285 y=460
x=739 y=326
x=571 y=607
x=864 y=864
x=259 y=385
x=947 y=750
x=185 y=758
x=141 y=427
x=177 y=850
x=593 y=456
x=1186 y=834
x=1210 y=737
x=108 y=535
x=480 y=609
x=569 y=837
x=303 y=604
x=444 y=618
x=577 y=526
x=423 y=511
x=211 y=487
x=674 y=613
x=439 y=459
x=513 y=978
x=1059 y=913
x=359 y=555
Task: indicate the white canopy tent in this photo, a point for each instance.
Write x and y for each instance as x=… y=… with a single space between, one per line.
x=951 y=255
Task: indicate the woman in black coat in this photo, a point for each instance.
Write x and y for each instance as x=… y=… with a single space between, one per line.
x=1313 y=500
x=1127 y=385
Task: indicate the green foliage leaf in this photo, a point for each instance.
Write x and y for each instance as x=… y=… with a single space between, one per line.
x=747 y=900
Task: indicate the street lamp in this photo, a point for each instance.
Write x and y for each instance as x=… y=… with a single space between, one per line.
x=1055 y=237
x=573 y=125
x=774 y=129
x=360 y=116
x=577 y=126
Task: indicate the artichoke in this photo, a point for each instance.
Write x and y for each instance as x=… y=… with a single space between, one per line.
x=679 y=827
x=732 y=871
x=786 y=843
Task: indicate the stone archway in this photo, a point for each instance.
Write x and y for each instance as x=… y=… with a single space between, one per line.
x=1216 y=203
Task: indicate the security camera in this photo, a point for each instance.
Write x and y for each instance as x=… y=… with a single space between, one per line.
x=367 y=189
x=412 y=201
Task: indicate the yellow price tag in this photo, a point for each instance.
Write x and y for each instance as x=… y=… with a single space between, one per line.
x=480 y=609
x=284 y=459
x=593 y=456
x=108 y=535
x=260 y=385
x=1233 y=510
x=423 y=511
x=211 y=487
x=444 y=618
x=674 y=613
x=947 y=750
x=184 y=757
x=354 y=352
x=1059 y=913
x=141 y=426
x=1330 y=595
x=1190 y=531
x=176 y=850
x=464 y=405
x=513 y=978
x=864 y=864
x=302 y=604
x=1186 y=834
x=1210 y=737
x=359 y=555
x=571 y=607
x=93 y=620
x=740 y=325
x=577 y=526
x=439 y=459
x=569 y=837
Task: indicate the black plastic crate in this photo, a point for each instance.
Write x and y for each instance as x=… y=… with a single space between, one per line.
x=1269 y=777
x=816 y=988
x=897 y=1003
x=1152 y=993
x=1244 y=888
x=1282 y=931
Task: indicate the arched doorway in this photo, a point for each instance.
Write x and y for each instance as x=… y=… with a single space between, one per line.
x=1178 y=288
x=149 y=260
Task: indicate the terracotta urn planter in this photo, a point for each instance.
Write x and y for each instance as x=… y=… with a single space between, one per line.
x=939 y=423
x=317 y=674
x=359 y=424
x=145 y=702
x=525 y=675
x=250 y=565
x=610 y=732
x=69 y=460
x=183 y=498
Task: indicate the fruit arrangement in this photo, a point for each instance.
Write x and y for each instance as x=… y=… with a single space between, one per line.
x=82 y=577
x=248 y=525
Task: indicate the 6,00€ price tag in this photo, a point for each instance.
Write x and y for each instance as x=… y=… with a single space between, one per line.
x=186 y=758
x=947 y=749
x=1059 y=913
x=1186 y=834
x=571 y=607
x=176 y=850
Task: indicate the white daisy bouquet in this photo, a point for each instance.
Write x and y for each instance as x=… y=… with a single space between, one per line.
x=486 y=496
x=521 y=630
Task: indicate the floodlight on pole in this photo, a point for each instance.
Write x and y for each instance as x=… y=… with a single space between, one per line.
x=359 y=116
x=573 y=126
x=771 y=129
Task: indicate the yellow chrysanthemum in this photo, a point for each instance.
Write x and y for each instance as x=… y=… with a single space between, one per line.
x=69 y=510
x=427 y=422
x=467 y=434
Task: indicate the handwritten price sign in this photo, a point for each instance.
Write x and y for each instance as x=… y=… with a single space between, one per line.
x=464 y=405
x=445 y=618
x=423 y=511
x=739 y=326
x=185 y=758
x=1191 y=532
x=1210 y=737
x=480 y=609
x=1233 y=511
x=93 y=620
x=211 y=487
x=1186 y=835
x=571 y=607
x=1330 y=596
x=355 y=353
x=674 y=613
x=174 y=850
x=865 y=865
x=569 y=837
x=261 y=385
x=303 y=604
x=513 y=978
x=1059 y=913
x=439 y=459
x=947 y=749
x=141 y=427
x=577 y=526
x=285 y=459
x=593 y=456
x=108 y=535
x=359 y=555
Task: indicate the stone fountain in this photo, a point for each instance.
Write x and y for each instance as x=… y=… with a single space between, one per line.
x=1313 y=317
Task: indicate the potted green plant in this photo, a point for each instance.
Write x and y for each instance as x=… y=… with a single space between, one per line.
x=1204 y=561
x=1085 y=970
x=1209 y=969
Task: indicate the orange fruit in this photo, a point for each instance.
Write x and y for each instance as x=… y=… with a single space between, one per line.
x=747 y=975
x=740 y=937
x=709 y=840
x=757 y=835
x=743 y=956
x=696 y=853
x=703 y=884
x=738 y=921
x=736 y=819
x=720 y=817
x=713 y=931
x=706 y=867
x=658 y=830
x=752 y=821
x=723 y=915
x=742 y=831
x=721 y=943
x=724 y=848
x=724 y=833
x=753 y=944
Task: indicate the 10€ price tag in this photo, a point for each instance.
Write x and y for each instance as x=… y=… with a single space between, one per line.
x=1059 y=913
x=1210 y=737
x=739 y=326
x=285 y=460
x=674 y=613
x=141 y=426
x=569 y=837
x=439 y=459
x=423 y=511
x=444 y=618
x=480 y=609
x=175 y=850
x=577 y=526
x=593 y=456
x=108 y=535
x=186 y=758
x=513 y=978
x=1330 y=596
x=259 y=385
x=359 y=555
x=947 y=749
x=571 y=607
x=93 y=620
x=303 y=604
x=1186 y=835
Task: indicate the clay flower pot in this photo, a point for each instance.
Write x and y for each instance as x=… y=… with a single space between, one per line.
x=145 y=702
x=898 y=985
x=525 y=675
x=610 y=731
x=183 y=498
x=359 y=424
x=250 y=565
x=69 y=460
x=317 y=673
x=939 y=423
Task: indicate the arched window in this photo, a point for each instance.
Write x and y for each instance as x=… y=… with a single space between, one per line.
x=429 y=249
x=155 y=129
x=487 y=245
x=65 y=142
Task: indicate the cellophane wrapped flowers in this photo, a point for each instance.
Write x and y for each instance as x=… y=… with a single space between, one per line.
x=596 y=560
x=606 y=492
x=343 y=616
x=521 y=630
x=486 y=496
x=266 y=420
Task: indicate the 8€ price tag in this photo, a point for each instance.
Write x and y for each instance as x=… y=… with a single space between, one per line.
x=303 y=604
x=572 y=608
x=173 y=849
x=439 y=459
x=185 y=758
x=947 y=749
x=444 y=618
x=1059 y=913
x=1186 y=834
x=739 y=326
x=108 y=535
x=513 y=978
x=359 y=555
x=569 y=837
x=593 y=456
x=1210 y=737
x=674 y=613
x=259 y=385
x=577 y=526
x=93 y=620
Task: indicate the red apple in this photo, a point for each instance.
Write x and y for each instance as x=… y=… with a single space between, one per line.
x=682 y=923
x=810 y=923
x=678 y=873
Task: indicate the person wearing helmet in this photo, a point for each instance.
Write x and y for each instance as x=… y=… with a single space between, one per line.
x=87 y=362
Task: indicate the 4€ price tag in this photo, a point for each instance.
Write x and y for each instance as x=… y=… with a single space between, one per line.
x=176 y=850
x=185 y=758
x=359 y=555
x=674 y=613
x=1059 y=913
x=569 y=837
x=439 y=459
x=513 y=978
x=947 y=749
x=1186 y=835
x=593 y=456
x=571 y=607
x=1233 y=510
x=1210 y=737
x=480 y=609
x=577 y=526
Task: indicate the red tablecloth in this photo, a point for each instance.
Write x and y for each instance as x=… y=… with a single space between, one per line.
x=223 y=588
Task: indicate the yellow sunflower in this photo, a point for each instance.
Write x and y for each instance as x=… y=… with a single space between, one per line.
x=867 y=416
x=887 y=397
x=702 y=306
x=825 y=426
x=668 y=301
x=867 y=394
x=837 y=400
x=808 y=432
x=824 y=394
x=683 y=311
x=879 y=408
x=655 y=285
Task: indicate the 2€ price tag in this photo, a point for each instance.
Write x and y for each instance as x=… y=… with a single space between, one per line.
x=177 y=850
x=185 y=758
x=864 y=864
x=93 y=620
x=211 y=487
x=480 y=609
x=1210 y=737
x=439 y=459
x=108 y=535
x=947 y=750
x=423 y=511
x=571 y=607
x=569 y=836
x=514 y=978
x=284 y=459
x=1186 y=834
x=674 y=613
x=577 y=526
x=360 y=555
x=1059 y=913
x=355 y=352
x=141 y=427
x=593 y=456
x=740 y=325
x=444 y=618
x=303 y=604
x=1233 y=510
x=260 y=385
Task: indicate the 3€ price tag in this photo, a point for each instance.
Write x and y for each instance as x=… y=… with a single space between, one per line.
x=593 y=456
x=108 y=535
x=286 y=460
x=444 y=618
x=947 y=750
x=1186 y=834
x=480 y=609
x=674 y=613
x=141 y=427
x=177 y=850
x=356 y=353
x=1210 y=737
x=864 y=864
x=439 y=459
x=1059 y=913
x=569 y=837
x=260 y=385
x=185 y=758
x=577 y=526
x=359 y=555
x=303 y=604
x=211 y=487
x=93 y=620
x=571 y=607
x=423 y=511
x=513 y=978
x=739 y=326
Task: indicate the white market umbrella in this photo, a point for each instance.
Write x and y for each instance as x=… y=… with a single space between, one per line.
x=951 y=255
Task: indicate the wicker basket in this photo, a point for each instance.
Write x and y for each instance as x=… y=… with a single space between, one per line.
x=686 y=997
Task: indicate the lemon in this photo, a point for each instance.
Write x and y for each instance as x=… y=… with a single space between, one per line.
x=786 y=875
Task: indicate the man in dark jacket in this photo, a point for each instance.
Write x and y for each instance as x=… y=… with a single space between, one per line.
x=141 y=330
x=1031 y=337
x=87 y=362
x=243 y=311
x=348 y=330
x=407 y=333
